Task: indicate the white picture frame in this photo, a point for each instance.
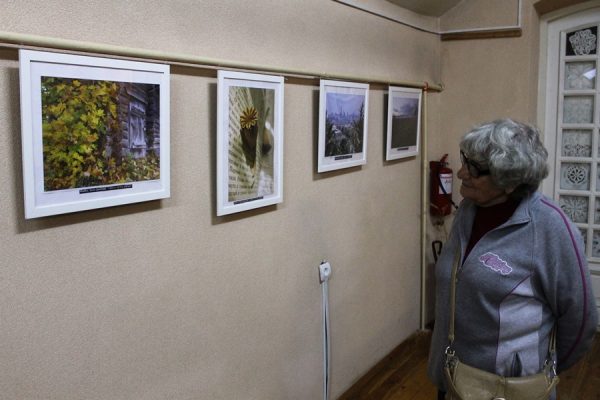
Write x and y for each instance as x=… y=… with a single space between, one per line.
x=403 y=122
x=343 y=122
x=249 y=141
x=95 y=132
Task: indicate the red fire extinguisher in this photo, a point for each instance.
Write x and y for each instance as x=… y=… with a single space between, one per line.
x=440 y=187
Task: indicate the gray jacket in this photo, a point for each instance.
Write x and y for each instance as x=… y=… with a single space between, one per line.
x=518 y=281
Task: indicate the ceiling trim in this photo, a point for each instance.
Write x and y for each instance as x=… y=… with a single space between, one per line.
x=392 y=12
x=483 y=34
x=387 y=10
x=433 y=8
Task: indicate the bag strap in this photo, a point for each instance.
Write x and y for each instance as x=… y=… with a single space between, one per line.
x=453 y=297
x=450 y=352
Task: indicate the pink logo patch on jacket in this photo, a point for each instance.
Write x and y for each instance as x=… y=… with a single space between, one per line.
x=495 y=263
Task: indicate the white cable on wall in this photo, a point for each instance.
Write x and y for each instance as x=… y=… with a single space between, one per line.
x=324 y=274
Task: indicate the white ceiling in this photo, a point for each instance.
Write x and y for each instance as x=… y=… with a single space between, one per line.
x=434 y=8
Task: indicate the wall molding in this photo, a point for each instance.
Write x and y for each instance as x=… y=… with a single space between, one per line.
x=392 y=12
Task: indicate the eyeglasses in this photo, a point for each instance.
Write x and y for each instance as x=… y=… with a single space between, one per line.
x=475 y=170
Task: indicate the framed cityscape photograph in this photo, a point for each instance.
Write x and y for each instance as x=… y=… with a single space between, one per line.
x=343 y=121
x=95 y=132
x=403 y=122
x=249 y=141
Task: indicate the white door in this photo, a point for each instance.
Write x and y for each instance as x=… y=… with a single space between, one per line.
x=572 y=123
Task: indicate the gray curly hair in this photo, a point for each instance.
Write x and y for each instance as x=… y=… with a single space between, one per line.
x=512 y=151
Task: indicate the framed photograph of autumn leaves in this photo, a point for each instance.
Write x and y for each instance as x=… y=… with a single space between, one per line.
x=249 y=141
x=95 y=132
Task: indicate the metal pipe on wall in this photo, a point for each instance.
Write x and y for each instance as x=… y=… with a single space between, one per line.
x=20 y=40
x=424 y=207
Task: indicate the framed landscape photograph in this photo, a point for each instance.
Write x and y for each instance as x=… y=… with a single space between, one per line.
x=403 y=122
x=343 y=121
x=249 y=141
x=95 y=132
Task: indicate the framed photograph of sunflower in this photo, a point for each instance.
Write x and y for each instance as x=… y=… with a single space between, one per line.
x=249 y=141
x=343 y=121
x=95 y=132
x=403 y=122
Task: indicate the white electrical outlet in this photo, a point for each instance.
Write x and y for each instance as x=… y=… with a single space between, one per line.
x=324 y=271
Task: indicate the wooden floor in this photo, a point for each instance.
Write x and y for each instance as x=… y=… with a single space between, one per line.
x=402 y=375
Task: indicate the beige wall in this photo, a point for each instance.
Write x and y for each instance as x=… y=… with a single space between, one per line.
x=163 y=299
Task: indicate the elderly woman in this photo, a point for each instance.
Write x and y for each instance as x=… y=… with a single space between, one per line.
x=521 y=264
